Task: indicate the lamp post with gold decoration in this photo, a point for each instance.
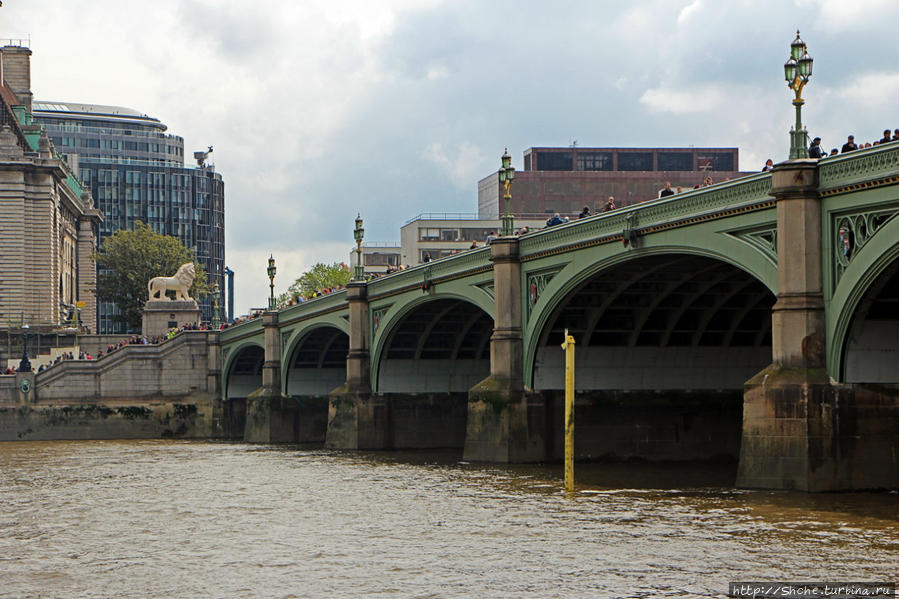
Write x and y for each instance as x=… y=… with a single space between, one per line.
x=506 y=174
x=797 y=72
x=358 y=233
x=216 y=321
x=271 y=282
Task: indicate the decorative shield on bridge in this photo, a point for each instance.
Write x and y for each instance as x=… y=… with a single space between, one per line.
x=845 y=241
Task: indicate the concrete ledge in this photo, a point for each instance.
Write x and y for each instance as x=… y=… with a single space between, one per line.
x=190 y=419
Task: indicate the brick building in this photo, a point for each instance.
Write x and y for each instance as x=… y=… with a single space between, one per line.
x=565 y=180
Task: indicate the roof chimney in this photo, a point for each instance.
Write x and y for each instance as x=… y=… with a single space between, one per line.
x=16 y=72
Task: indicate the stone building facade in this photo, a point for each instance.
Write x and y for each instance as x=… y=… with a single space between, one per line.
x=48 y=221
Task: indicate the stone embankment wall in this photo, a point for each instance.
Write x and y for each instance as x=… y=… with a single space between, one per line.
x=139 y=391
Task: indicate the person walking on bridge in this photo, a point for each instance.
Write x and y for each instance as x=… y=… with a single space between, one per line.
x=815 y=150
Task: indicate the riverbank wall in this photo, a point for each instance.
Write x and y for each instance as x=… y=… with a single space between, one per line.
x=137 y=392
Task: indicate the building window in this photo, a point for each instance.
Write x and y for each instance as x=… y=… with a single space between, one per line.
x=376 y=259
x=428 y=234
x=554 y=161
x=675 y=161
x=527 y=162
x=473 y=234
x=715 y=161
x=634 y=161
x=594 y=161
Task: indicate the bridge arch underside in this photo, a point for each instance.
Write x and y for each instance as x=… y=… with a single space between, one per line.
x=661 y=322
x=664 y=344
x=243 y=377
x=317 y=364
x=441 y=346
x=245 y=373
x=871 y=347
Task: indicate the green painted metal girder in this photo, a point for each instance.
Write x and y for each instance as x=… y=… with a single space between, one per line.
x=710 y=239
x=864 y=264
x=391 y=310
x=293 y=334
x=230 y=354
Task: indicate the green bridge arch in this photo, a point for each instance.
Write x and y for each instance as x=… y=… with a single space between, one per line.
x=584 y=264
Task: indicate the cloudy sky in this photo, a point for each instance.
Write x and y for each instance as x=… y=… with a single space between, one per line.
x=321 y=109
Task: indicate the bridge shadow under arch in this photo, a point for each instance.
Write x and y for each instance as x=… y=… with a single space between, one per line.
x=870 y=349
x=660 y=322
x=664 y=344
x=439 y=346
x=243 y=375
x=317 y=364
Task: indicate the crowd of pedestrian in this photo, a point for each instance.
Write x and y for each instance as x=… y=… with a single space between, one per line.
x=817 y=151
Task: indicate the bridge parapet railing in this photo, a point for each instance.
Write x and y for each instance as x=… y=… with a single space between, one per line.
x=311 y=307
x=240 y=329
x=465 y=261
x=869 y=164
x=743 y=192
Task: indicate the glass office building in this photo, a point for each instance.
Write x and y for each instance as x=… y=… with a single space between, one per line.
x=136 y=171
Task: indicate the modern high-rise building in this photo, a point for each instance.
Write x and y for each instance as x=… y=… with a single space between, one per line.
x=135 y=170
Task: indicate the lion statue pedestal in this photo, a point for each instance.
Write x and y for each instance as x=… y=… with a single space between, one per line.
x=162 y=313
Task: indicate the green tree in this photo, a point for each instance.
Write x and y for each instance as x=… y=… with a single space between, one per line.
x=318 y=277
x=129 y=259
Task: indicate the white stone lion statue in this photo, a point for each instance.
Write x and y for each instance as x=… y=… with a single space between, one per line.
x=180 y=284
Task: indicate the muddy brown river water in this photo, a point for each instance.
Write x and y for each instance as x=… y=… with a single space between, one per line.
x=178 y=519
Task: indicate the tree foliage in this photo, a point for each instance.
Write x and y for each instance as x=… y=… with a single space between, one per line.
x=129 y=259
x=320 y=276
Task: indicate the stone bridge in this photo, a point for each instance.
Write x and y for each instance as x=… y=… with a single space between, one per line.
x=755 y=321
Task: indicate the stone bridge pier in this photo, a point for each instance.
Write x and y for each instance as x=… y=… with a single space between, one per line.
x=357 y=418
x=506 y=422
x=801 y=429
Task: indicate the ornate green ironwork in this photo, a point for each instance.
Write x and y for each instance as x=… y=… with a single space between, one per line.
x=840 y=173
x=376 y=317
x=488 y=288
x=764 y=240
x=536 y=283
x=285 y=337
x=851 y=232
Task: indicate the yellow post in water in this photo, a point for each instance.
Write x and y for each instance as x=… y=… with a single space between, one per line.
x=568 y=346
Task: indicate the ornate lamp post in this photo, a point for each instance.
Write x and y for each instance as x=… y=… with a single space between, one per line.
x=271 y=282
x=25 y=363
x=506 y=174
x=797 y=72
x=358 y=233
x=216 y=321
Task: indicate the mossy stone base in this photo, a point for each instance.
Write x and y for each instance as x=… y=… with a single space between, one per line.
x=505 y=425
x=357 y=420
x=803 y=432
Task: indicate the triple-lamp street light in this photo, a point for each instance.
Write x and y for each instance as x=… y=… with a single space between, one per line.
x=506 y=174
x=358 y=233
x=271 y=278
x=797 y=72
